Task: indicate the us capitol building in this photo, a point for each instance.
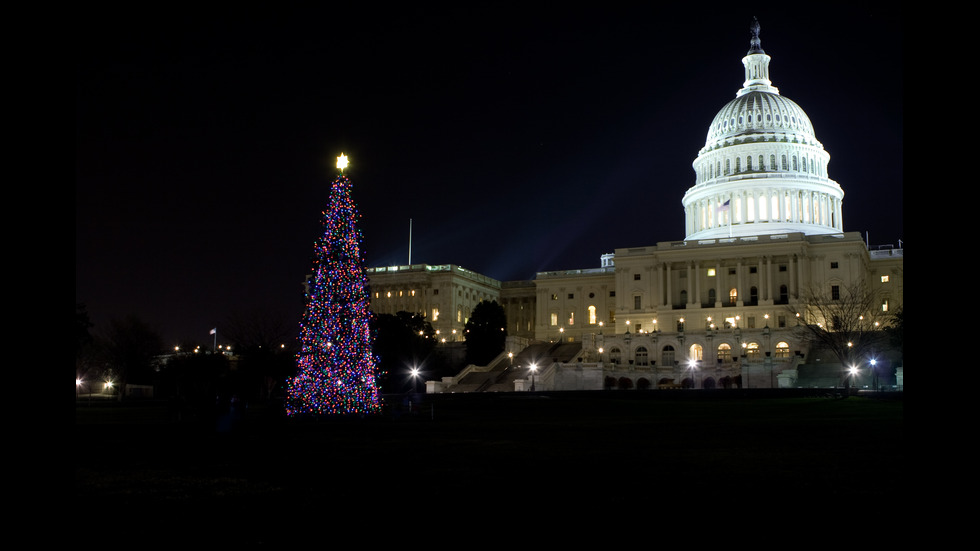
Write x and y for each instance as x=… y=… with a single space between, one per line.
x=763 y=230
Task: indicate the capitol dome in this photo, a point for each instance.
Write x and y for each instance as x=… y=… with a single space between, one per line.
x=761 y=170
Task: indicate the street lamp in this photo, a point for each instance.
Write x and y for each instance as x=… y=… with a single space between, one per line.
x=694 y=365
x=874 y=374
x=415 y=378
x=534 y=368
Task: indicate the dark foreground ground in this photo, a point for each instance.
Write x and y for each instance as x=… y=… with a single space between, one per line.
x=492 y=467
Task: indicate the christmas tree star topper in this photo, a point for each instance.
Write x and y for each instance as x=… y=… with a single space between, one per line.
x=342 y=162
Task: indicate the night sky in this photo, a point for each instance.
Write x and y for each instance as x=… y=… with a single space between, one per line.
x=515 y=140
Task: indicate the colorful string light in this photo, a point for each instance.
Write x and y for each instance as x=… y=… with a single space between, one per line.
x=336 y=367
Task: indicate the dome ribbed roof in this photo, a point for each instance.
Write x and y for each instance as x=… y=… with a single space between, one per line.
x=756 y=112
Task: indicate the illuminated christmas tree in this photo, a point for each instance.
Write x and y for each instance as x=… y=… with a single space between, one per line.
x=336 y=367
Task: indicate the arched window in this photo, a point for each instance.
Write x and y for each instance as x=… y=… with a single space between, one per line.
x=785 y=166
x=761 y=165
x=641 y=356
x=592 y=317
x=782 y=351
x=725 y=353
x=728 y=166
x=748 y=163
x=752 y=352
x=711 y=296
x=738 y=164
x=732 y=296
x=667 y=356
x=615 y=356
x=683 y=297
x=772 y=162
x=796 y=164
x=696 y=353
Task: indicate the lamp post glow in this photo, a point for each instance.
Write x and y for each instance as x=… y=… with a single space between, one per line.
x=533 y=367
x=874 y=374
x=415 y=378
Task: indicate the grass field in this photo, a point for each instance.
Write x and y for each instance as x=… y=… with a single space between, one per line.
x=473 y=457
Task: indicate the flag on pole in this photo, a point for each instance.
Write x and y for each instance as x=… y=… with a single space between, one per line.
x=213 y=331
x=725 y=206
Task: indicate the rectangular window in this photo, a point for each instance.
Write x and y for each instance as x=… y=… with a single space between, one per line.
x=833 y=265
x=612 y=316
x=571 y=318
x=711 y=272
x=554 y=319
x=835 y=292
x=571 y=296
x=554 y=296
x=636 y=303
x=612 y=293
x=884 y=305
x=636 y=277
x=435 y=314
x=884 y=279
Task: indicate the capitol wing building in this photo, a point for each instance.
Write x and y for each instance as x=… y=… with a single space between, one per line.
x=763 y=231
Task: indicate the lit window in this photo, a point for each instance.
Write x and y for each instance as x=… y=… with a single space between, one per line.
x=554 y=319
x=782 y=351
x=884 y=279
x=435 y=314
x=725 y=353
x=571 y=318
x=884 y=305
x=711 y=272
x=592 y=320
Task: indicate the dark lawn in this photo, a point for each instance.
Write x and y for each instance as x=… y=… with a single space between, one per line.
x=473 y=458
